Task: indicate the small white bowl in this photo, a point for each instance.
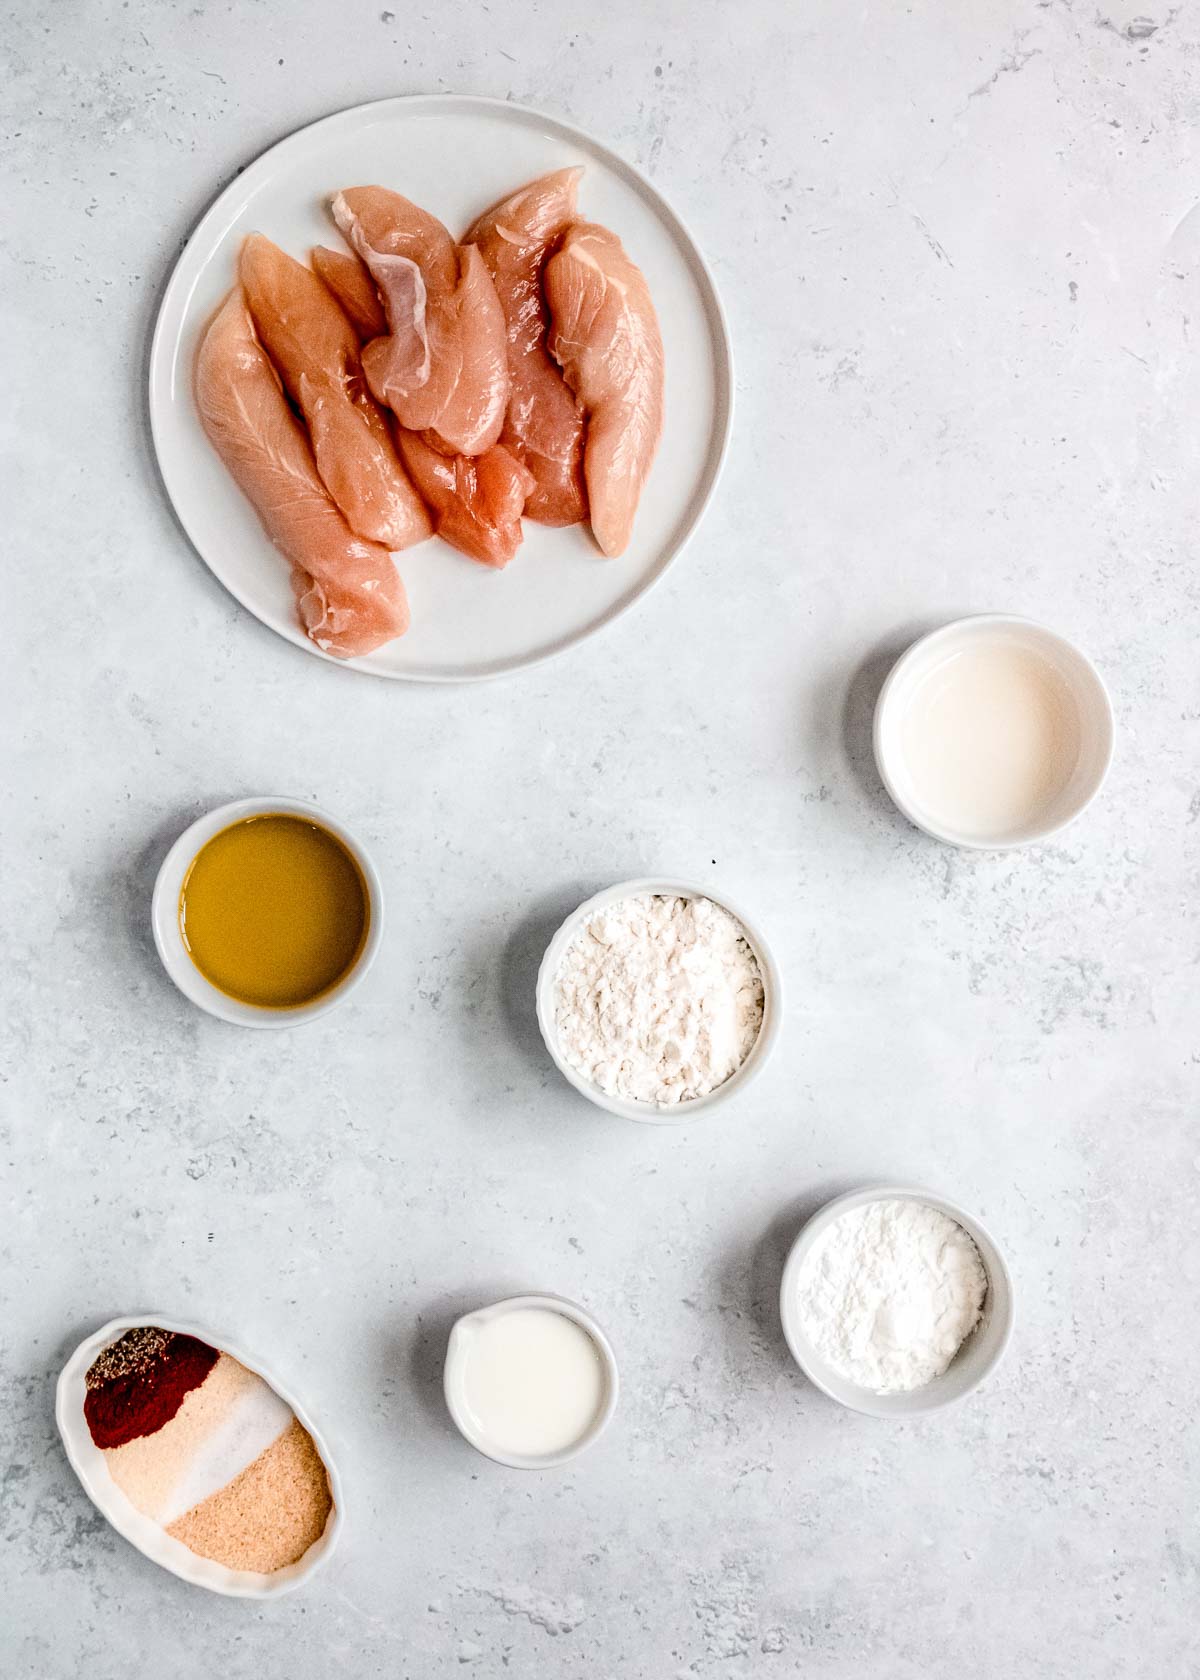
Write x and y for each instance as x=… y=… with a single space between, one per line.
x=168 y=936
x=655 y=1113
x=1093 y=707
x=979 y=1355
x=454 y=1373
x=88 y=1463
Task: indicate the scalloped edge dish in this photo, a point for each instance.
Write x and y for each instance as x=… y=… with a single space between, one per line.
x=87 y=1461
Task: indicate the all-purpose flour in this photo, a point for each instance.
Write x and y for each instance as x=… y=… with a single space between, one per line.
x=659 y=999
x=889 y=1294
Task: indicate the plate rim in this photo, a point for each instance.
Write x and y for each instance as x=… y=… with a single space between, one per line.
x=714 y=310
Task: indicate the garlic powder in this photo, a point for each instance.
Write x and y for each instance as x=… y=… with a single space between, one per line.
x=658 y=1000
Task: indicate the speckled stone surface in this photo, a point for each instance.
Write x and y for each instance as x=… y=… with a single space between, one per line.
x=960 y=250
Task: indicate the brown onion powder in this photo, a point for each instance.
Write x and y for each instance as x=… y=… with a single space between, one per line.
x=269 y=1515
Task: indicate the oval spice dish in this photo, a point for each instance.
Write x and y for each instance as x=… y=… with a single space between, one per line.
x=180 y=1431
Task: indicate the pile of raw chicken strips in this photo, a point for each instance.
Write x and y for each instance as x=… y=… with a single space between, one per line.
x=411 y=385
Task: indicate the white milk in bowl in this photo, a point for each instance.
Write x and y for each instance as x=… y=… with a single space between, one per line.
x=993 y=731
x=991 y=738
x=527 y=1383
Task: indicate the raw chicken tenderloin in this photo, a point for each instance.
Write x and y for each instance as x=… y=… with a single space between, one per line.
x=476 y=500
x=349 y=595
x=604 y=335
x=315 y=349
x=443 y=365
x=351 y=284
x=543 y=425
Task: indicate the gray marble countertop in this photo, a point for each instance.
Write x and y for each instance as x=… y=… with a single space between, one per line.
x=959 y=246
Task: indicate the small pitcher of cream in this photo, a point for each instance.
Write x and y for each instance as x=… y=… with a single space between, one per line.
x=531 y=1381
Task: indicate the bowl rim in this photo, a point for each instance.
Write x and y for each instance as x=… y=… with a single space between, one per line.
x=768 y=1032
x=142 y=1532
x=452 y=1373
x=168 y=939
x=907 y=1403
x=970 y=622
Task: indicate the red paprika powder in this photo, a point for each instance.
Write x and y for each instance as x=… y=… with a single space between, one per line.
x=140 y=1382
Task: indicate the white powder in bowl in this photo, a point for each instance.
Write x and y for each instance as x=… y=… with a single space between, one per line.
x=889 y=1293
x=658 y=1000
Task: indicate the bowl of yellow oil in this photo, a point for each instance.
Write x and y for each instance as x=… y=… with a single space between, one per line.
x=267 y=912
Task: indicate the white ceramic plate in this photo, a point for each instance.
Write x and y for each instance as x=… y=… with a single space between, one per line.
x=454 y=156
x=89 y=1465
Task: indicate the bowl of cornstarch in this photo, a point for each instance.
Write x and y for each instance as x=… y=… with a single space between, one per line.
x=659 y=1000
x=895 y=1301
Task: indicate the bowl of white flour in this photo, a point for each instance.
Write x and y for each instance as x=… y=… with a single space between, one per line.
x=659 y=1000
x=895 y=1301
